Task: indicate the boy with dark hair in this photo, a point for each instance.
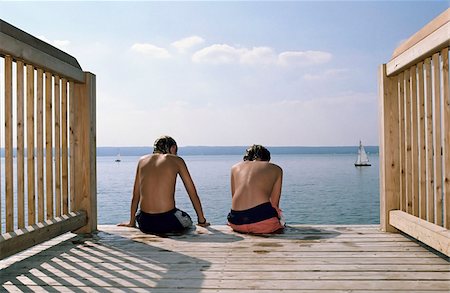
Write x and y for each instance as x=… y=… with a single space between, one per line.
x=154 y=191
x=256 y=192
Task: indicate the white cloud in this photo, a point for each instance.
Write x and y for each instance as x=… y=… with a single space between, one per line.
x=187 y=43
x=150 y=50
x=225 y=54
x=304 y=58
x=258 y=55
x=217 y=54
x=60 y=44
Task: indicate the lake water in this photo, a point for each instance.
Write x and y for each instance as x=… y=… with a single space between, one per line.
x=317 y=188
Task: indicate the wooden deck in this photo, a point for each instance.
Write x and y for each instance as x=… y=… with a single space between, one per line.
x=215 y=259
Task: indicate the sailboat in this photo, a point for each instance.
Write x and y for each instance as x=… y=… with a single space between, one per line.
x=118 y=160
x=363 y=159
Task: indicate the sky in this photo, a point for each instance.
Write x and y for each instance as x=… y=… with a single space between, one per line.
x=231 y=73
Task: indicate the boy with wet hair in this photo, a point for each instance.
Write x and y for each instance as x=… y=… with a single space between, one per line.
x=256 y=191
x=257 y=152
x=154 y=191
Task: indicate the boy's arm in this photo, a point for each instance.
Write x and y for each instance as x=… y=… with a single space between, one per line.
x=192 y=192
x=232 y=184
x=134 y=202
x=276 y=190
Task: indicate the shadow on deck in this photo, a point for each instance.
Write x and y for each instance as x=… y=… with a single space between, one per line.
x=215 y=259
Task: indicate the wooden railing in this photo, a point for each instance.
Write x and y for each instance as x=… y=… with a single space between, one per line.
x=415 y=137
x=49 y=143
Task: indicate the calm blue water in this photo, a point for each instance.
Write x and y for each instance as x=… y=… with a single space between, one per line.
x=317 y=188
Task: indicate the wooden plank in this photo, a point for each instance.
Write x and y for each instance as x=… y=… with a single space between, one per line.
x=13 y=242
x=91 y=282
x=389 y=151
x=281 y=264
x=116 y=272
x=428 y=46
x=402 y=143
x=40 y=144
x=424 y=32
x=235 y=265
x=414 y=144
x=32 y=50
x=58 y=199
x=84 y=160
x=422 y=147
x=216 y=258
x=437 y=163
x=64 y=152
x=9 y=192
x=48 y=146
x=433 y=235
x=1 y=208
x=30 y=147
x=446 y=131
x=407 y=144
x=71 y=146
x=20 y=146
x=22 y=288
x=429 y=141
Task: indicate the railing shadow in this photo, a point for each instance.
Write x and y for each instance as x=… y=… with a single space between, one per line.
x=104 y=262
x=206 y=234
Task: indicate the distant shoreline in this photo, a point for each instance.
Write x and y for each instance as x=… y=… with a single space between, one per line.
x=223 y=150
x=234 y=150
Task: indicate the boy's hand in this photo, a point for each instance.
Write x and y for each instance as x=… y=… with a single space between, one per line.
x=127 y=224
x=203 y=223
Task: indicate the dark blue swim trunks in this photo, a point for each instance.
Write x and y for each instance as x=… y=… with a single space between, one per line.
x=253 y=215
x=173 y=221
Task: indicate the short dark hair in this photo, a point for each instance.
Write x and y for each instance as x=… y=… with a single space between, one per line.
x=257 y=152
x=163 y=144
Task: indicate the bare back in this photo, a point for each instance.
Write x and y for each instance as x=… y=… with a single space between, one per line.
x=155 y=179
x=154 y=184
x=254 y=183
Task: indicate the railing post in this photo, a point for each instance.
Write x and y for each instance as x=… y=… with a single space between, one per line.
x=389 y=148
x=84 y=160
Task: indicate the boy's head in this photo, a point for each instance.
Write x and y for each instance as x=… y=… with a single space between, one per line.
x=257 y=153
x=163 y=145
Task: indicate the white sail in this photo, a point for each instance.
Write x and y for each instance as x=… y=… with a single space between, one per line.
x=363 y=159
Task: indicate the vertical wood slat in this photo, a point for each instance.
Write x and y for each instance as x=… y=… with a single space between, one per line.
x=401 y=109
x=71 y=145
x=9 y=194
x=389 y=150
x=437 y=140
x=30 y=147
x=57 y=147
x=64 y=152
x=446 y=131
x=414 y=144
x=429 y=141
x=84 y=161
x=40 y=144
x=407 y=146
x=20 y=147
x=422 y=144
x=48 y=146
x=1 y=218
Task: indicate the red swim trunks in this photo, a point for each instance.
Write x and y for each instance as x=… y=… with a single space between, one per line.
x=261 y=219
